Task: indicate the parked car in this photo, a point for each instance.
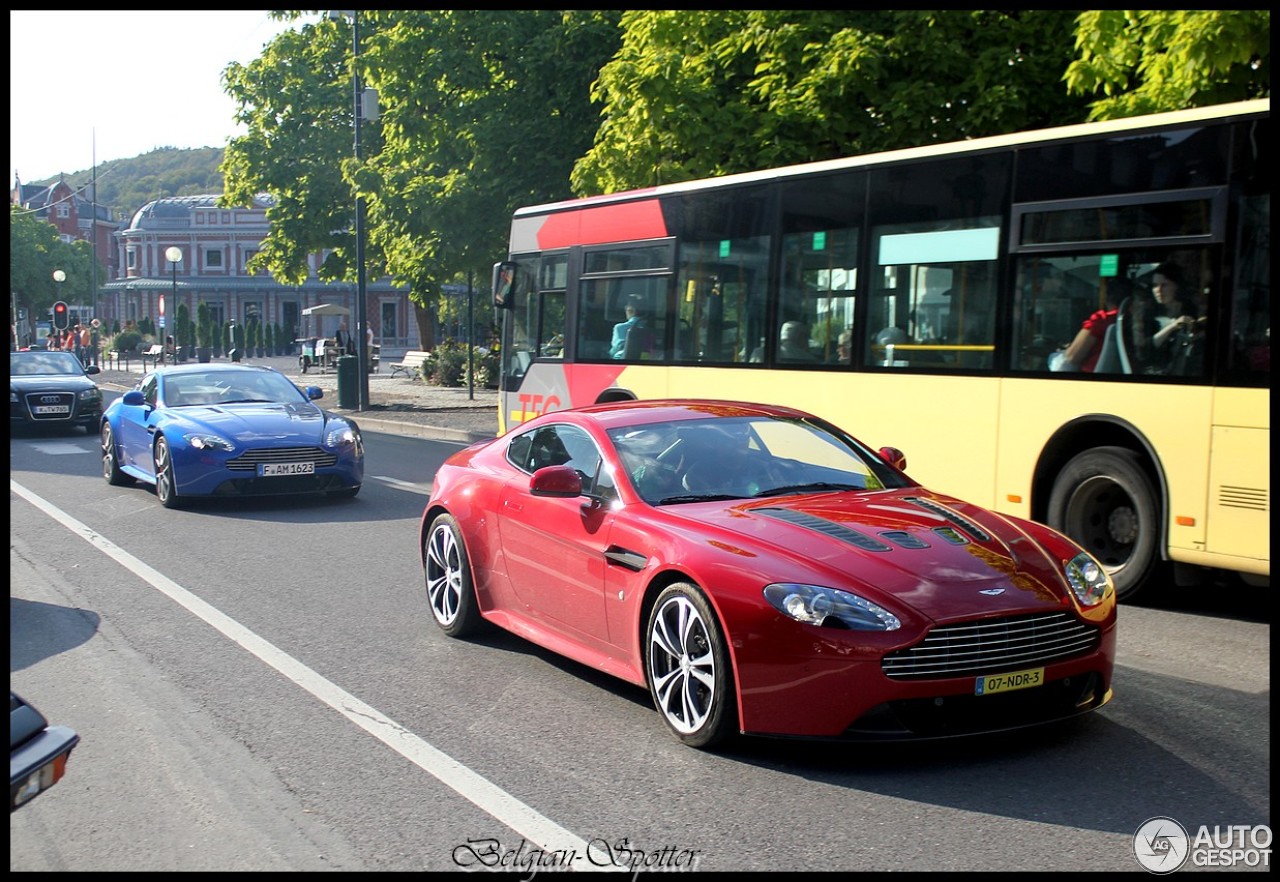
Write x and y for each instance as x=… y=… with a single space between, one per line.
x=229 y=430
x=38 y=752
x=52 y=389
x=761 y=571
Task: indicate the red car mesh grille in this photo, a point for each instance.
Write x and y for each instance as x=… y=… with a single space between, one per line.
x=989 y=646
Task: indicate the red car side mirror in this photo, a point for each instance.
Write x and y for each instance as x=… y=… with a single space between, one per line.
x=558 y=480
x=894 y=457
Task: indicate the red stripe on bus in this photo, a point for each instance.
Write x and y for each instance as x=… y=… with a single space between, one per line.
x=586 y=381
x=605 y=223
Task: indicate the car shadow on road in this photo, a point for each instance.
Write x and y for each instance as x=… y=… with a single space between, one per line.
x=40 y=630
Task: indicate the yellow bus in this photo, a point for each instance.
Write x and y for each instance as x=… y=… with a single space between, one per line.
x=1068 y=324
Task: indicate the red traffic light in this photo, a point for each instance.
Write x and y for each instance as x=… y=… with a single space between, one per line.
x=60 y=315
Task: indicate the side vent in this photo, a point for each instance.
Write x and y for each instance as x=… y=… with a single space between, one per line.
x=1252 y=498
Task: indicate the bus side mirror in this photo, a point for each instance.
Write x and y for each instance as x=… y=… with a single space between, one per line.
x=504 y=285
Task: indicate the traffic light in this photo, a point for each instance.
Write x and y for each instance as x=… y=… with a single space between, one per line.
x=61 y=317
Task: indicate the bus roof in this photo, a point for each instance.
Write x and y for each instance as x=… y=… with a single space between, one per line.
x=1077 y=130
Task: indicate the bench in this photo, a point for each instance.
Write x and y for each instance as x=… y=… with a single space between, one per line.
x=411 y=365
x=116 y=356
x=155 y=354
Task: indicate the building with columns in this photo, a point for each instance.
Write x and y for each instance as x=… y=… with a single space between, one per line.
x=216 y=245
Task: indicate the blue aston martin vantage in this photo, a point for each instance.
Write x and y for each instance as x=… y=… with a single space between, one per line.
x=229 y=430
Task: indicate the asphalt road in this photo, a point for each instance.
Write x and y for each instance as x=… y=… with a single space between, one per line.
x=259 y=686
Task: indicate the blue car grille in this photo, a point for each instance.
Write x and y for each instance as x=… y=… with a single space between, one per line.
x=989 y=646
x=251 y=459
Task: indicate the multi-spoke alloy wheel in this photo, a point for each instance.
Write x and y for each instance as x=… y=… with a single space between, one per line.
x=687 y=667
x=111 y=459
x=166 y=481
x=448 y=575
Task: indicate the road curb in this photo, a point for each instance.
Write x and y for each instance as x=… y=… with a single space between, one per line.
x=387 y=427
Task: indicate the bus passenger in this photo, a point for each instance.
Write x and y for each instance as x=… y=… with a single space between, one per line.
x=1178 y=339
x=1082 y=353
x=618 y=346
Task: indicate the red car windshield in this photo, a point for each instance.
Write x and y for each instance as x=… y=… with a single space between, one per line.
x=745 y=457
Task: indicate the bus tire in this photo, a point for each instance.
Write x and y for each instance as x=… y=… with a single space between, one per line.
x=1104 y=500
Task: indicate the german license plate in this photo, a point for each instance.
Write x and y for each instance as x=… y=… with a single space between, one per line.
x=42 y=409
x=272 y=469
x=1009 y=682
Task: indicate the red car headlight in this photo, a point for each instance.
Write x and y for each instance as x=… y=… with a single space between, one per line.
x=1087 y=579
x=829 y=608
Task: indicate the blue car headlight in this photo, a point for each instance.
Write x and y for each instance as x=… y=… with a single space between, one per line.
x=340 y=435
x=1087 y=579
x=208 y=441
x=828 y=607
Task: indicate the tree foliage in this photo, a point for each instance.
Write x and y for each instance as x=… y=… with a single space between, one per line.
x=693 y=93
x=480 y=110
x=1155 y=60
x=295 y=100
x=35 y=252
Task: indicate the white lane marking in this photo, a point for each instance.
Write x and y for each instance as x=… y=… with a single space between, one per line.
x=59 y=448
x=487 y=796
x=396 y=482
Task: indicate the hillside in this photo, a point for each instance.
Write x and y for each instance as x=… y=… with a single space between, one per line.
x=128 y=184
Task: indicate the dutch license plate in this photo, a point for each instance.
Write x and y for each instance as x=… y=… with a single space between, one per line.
x=42 y=409
x=1009 y=682
x=272 y=469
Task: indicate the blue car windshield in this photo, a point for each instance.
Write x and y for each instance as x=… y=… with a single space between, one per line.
x=229 y=386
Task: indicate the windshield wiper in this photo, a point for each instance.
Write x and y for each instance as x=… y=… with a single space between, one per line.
x=697 y=497
x=817 y=486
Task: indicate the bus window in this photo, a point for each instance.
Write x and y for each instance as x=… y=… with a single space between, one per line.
x=822 y=220
x=721 y=308
x=934 y=263
x=1107 y=312
x=603 y=305
x=613 y=279
x=551 y=324
x=819 y=278
x=936 y=297
x=1250 y=352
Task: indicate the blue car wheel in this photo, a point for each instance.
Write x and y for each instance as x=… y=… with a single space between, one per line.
x=166 y=481
x=111 y=459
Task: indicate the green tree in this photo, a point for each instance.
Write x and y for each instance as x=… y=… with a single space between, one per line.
x=694 y=93
x=204 y=326
x=481 y=110
x=184 y=331
x=1154 y=60
x=35 y=252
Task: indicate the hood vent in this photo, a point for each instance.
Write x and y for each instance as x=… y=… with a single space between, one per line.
x=904 y=539
x=952 y=535
x=974 y=530
x=819 y=525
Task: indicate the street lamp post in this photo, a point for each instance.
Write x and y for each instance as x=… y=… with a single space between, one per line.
x=173 y=254
x=361 y=320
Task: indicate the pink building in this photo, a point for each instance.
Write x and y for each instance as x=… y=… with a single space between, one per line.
x=214 y=246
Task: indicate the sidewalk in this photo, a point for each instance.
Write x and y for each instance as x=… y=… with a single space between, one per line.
x=397 y=406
